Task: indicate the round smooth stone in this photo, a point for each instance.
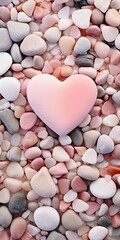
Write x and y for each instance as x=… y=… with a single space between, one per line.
x=18 y=171
x=112 y=17
x=80 y=206
x=102 y=7
x=5 y=62
x=46 y=218
x=52 y=34
x=28 y=120
x=111 y=120
x=98 y=232
x=18 y=227
x=90 y=156
x=88 y=172
x=117 y=42
x=16 y=35
x=5 y=2
x=9 y=88
x=116 y=198
x=71 y=220
x=81 y=18
x=60 y=155
x=33 y=45
x=103 y=188
x=105 y=144
x=102 y=49
x=5 y=217
x=4 y=195
x=17 y=203
x=66 y=45
x=5 y=40
x=14 y=154
x=109 y=33
x=82 y=46
x=115 y=134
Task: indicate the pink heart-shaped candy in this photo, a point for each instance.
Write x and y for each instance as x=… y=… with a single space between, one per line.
x=62 y=106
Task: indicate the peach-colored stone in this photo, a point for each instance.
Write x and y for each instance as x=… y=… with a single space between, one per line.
x=58 y=169
x=63 y=185
x=30 y=139
x=64 y=206
x=18 y=227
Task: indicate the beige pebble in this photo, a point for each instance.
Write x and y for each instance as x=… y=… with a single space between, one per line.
x=18 y=171
x=4 y=195
x=71 y=220
x=112 y=17
x=66 y=45
x=88 y=172
x=13 y=185
x=90 y=138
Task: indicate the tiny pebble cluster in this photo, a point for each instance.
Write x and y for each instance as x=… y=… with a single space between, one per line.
x=59 y=187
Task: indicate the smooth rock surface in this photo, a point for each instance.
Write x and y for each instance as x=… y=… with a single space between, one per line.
x=81 y=18
x=5 y=217
x=9 y=120
x=98 y=232
x=71 y=220
x=105 y=144
x=60 y=155
x=5 y=62
x=17 y=203
x=88 y=172
x=18 y=31
x=56 y=235
x=82 y=45
x=9 y=88
x=102 y=7
x=53 y=34
x=5 y=40
x=46 y=218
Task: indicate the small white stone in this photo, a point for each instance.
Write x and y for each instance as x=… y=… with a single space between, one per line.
x=103 y=209
x=86 y=121
x=64 y=12
x=82 y=46
x=16 y=35
x=115 y=134
x=70 y=196
x=90 y=156
x=81 y=18
x=65 y=140
x=4 y=195
x=32 y=230
x=109 y=33
x=4 y=104
x=98 y=232
x=80 y=206
x=116 y=198
x=18 y=171
x=117 y=42
x=22 y=17
x=115 y=4
x=60 y=155
x=69 y=60
x=46 y=218
x=105 y=144
x=9 y=88
x=103 y=188
x=110 y=120
x=63 y=24
x=5 y=62
x=52 y=34
x=103 y=7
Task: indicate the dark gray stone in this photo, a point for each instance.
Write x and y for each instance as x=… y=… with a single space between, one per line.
x=56 y=236
x=80 y=3
x=9 y=120
x=104 y=221
x=51 y=133
x=17 y=203
x=86 y=60
x=76 y=136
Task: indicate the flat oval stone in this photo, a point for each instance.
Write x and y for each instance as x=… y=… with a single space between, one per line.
x=5 y=62
x=88 y=172
x=99 y=188
x=52 y=34
x=33 y=45
x=18 y=227
x=81 y=18
x=5 y=217
x=9 y=88
x=9 y=120
x=46 y=218
x=71 y=220
x=17 y=203
x=98 y=232
x=16 y=35
x=5 y=40
x=82 y=46
x=56 y=235
x=105 y=144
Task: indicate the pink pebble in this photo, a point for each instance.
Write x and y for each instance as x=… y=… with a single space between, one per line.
x=93 y=30
x=85 y=196
x=97 y=17
x=63 y=185
x=16 y=67
x=89 y=71
x=75 y=32
x=28 y=120
x=47 y=68
x=29 y=140
x=116 y=152
x=64 y=206
x=4 y=235
x=18 y=227
x=102 y=77
x=39 y=12
x=78 y=185
x=32 y=153
x=115 y=57
x=58 y=169
x=55 y=63
x=102 y=50
x=117 y=80
x=37 y=163
x=108 y=108
x=70 y=150
x=93 y=207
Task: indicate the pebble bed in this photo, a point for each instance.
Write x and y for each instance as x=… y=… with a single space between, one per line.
x=59 y=187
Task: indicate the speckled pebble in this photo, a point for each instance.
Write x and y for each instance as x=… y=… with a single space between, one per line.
x=17 y=203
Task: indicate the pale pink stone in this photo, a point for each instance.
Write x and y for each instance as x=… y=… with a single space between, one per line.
x=112 y=17
x=89 y=71
x=66 y=71
x=39 y=12
x=114 y=69
x=116 y=152
x=58 y=169
x=4 y=14
x=3 y=164
x=27 y=236
x=97 y=17
x=85 y=196
x=63 y=185
x=93 y=207
x=55 y=63
x=18 y=227
x=75 y=32
x=66 y=44
x=32 y=153
x=78 y=185
x=16 y=67
x=108 y=108
x=93 y=30
x=101 y=77
x=28 y=120
x=28 y=7
x=47 y=68
x=116 y=220
x=31 y=72
x=29 y=140
x=115 y=57
x=4 y=235
x=42 y=133
x=70 y=150
x=64 y=206
x=102 y=49
x=49 y=20
x=18 y=75
x=96 y=122
x=117 y=80
x=37 y=163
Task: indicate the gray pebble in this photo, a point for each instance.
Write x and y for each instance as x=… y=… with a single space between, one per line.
x=38 y=62
x=9 y=120
x=105 y=144
x=116 y=98
x=104 y=221
x=56 y=236
x=116 y=233
x=17 y=203
x=86 y=60
x=17 y=30
x=5 y=217
x=47 y=143
x=116 y=198
x=5 y=40
x=51 y=133
x=5 y=2
x=80 y=3
x=76 y=137
x=15 y=53
x=3 y=156
x=14 y=154
x=101 y=92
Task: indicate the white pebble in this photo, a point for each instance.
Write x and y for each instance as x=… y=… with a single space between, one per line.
x=81 y=18
x=70 y=196
x=22 y=17
x=105 y=144
x=65 y=140
x=110 y=120
x=18 y=171
x=98 y=232
x=63 y=24
x=82 y=46
x=46 y=218
x=5 y=62
x=53 y=34
x=32 y=230
x=103 y=209
x=9 y=88
x=80 y=206
x=90 y=156
x=109 y=33
x=103 y=7
x=60 y=155
x=117 y=42
x=103 y=188
x=64 y=12
x=4 y=195
x=115 y=134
